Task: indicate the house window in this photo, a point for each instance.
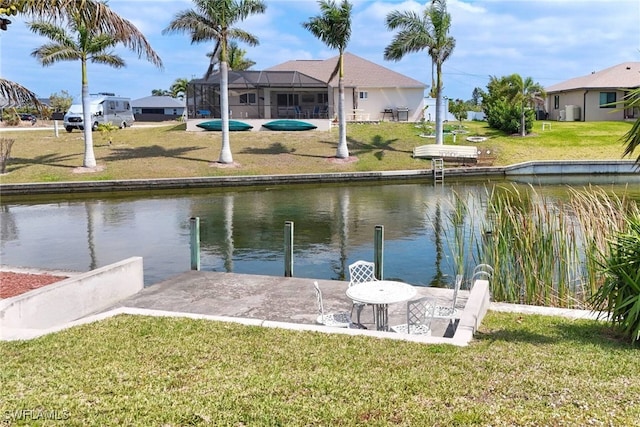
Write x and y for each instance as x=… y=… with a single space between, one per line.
x=287 y=99
x=607 y=99
x=248 y=98
x=556 y=102
x=363 y=95
x=323 y=98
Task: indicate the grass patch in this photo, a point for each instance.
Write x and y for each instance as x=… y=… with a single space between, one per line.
x=171 y=152
x=140 y=371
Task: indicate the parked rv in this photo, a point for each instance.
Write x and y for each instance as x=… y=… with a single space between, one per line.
x=105 y=108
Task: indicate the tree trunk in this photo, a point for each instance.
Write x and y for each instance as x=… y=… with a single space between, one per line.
x=439 y=117
x=225 y=152
x=87 y=121
x=343 y=151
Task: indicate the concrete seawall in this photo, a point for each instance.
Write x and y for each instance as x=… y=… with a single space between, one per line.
x=539 y=171
x=70 y=299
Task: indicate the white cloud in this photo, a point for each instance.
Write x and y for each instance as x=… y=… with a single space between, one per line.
x=549 y=40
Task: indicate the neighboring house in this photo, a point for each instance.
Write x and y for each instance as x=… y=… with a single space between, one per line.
x=157 y=108
x=594 y=97
x=303 y=89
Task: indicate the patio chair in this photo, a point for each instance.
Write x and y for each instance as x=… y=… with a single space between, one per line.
x=481 y=272
x=361 y=271
x=419 y=316
x=338 y=319
x=298 y=112
x=315 y=113
x=450 y=311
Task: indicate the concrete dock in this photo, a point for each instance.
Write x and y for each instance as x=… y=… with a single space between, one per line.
x=269 y=298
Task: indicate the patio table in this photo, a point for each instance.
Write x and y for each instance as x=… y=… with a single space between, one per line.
x=381 y=293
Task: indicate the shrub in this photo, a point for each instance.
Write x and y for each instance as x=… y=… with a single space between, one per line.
x=619 y=296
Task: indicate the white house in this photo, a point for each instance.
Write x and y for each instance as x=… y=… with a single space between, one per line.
x=305 y=89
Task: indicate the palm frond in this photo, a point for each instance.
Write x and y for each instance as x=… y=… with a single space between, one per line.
x=13 y=94
x=50 y=53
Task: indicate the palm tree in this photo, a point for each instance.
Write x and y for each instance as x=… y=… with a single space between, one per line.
x=333 y=28
x=214 y=20
x=525 y=93
x=92 y=43
x=179 y=88
x=429 y=31
x=632 y=138
x=236 y=59
x=12 y=92
x=160 y=92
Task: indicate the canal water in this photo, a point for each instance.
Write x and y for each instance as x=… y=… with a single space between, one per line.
x=242 y=230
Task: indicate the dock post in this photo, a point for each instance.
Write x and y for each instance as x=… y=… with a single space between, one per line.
x=194 y=226
x=378 y=251
x=288 y=249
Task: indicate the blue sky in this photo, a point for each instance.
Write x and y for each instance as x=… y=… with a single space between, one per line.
x=548 y=40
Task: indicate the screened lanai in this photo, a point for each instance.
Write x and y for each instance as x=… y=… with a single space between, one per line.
x=261 y=95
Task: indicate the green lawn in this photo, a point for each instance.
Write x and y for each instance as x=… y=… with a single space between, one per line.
x=143 y=371
x=169 y=151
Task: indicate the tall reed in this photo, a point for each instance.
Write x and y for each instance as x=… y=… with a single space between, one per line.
x=542 y=249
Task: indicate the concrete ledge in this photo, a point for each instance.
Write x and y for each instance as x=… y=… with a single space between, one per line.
x=72 y=298
x=474 y=311
x=548 y=311
x=572 y=167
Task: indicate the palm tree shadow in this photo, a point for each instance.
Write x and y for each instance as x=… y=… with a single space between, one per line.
x=275 y=148
x=17 y=163
x=378 y=146
x=153 y=151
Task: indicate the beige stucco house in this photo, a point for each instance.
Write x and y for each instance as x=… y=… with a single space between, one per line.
x=305 y=89
x=594 y=97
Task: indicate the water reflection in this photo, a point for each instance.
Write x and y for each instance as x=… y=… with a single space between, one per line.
x=242 y=230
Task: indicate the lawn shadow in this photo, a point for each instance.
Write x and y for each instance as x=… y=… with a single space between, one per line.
x=17 y=163
x=279 y=148
x=275 y=148
x=180 y=127
x=514 y=335
x=594 y=332
x=153 y=151
x=583 y=332
x=378 y=146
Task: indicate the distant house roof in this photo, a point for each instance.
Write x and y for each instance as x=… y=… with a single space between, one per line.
x=358 y=72
x=621 y=76
x=158 y=102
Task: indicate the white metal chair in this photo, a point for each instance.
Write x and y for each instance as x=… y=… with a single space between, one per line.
x=360 y=271
x=481 y=272
x=450 y=311
x=419 y=316
x=339 y=319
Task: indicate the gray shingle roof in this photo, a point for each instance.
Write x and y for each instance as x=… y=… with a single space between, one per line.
x=625 y=75
x=157 y=102
x=250 y=79
x=358 y=72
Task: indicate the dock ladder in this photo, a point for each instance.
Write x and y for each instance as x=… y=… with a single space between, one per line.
x=437 y=166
